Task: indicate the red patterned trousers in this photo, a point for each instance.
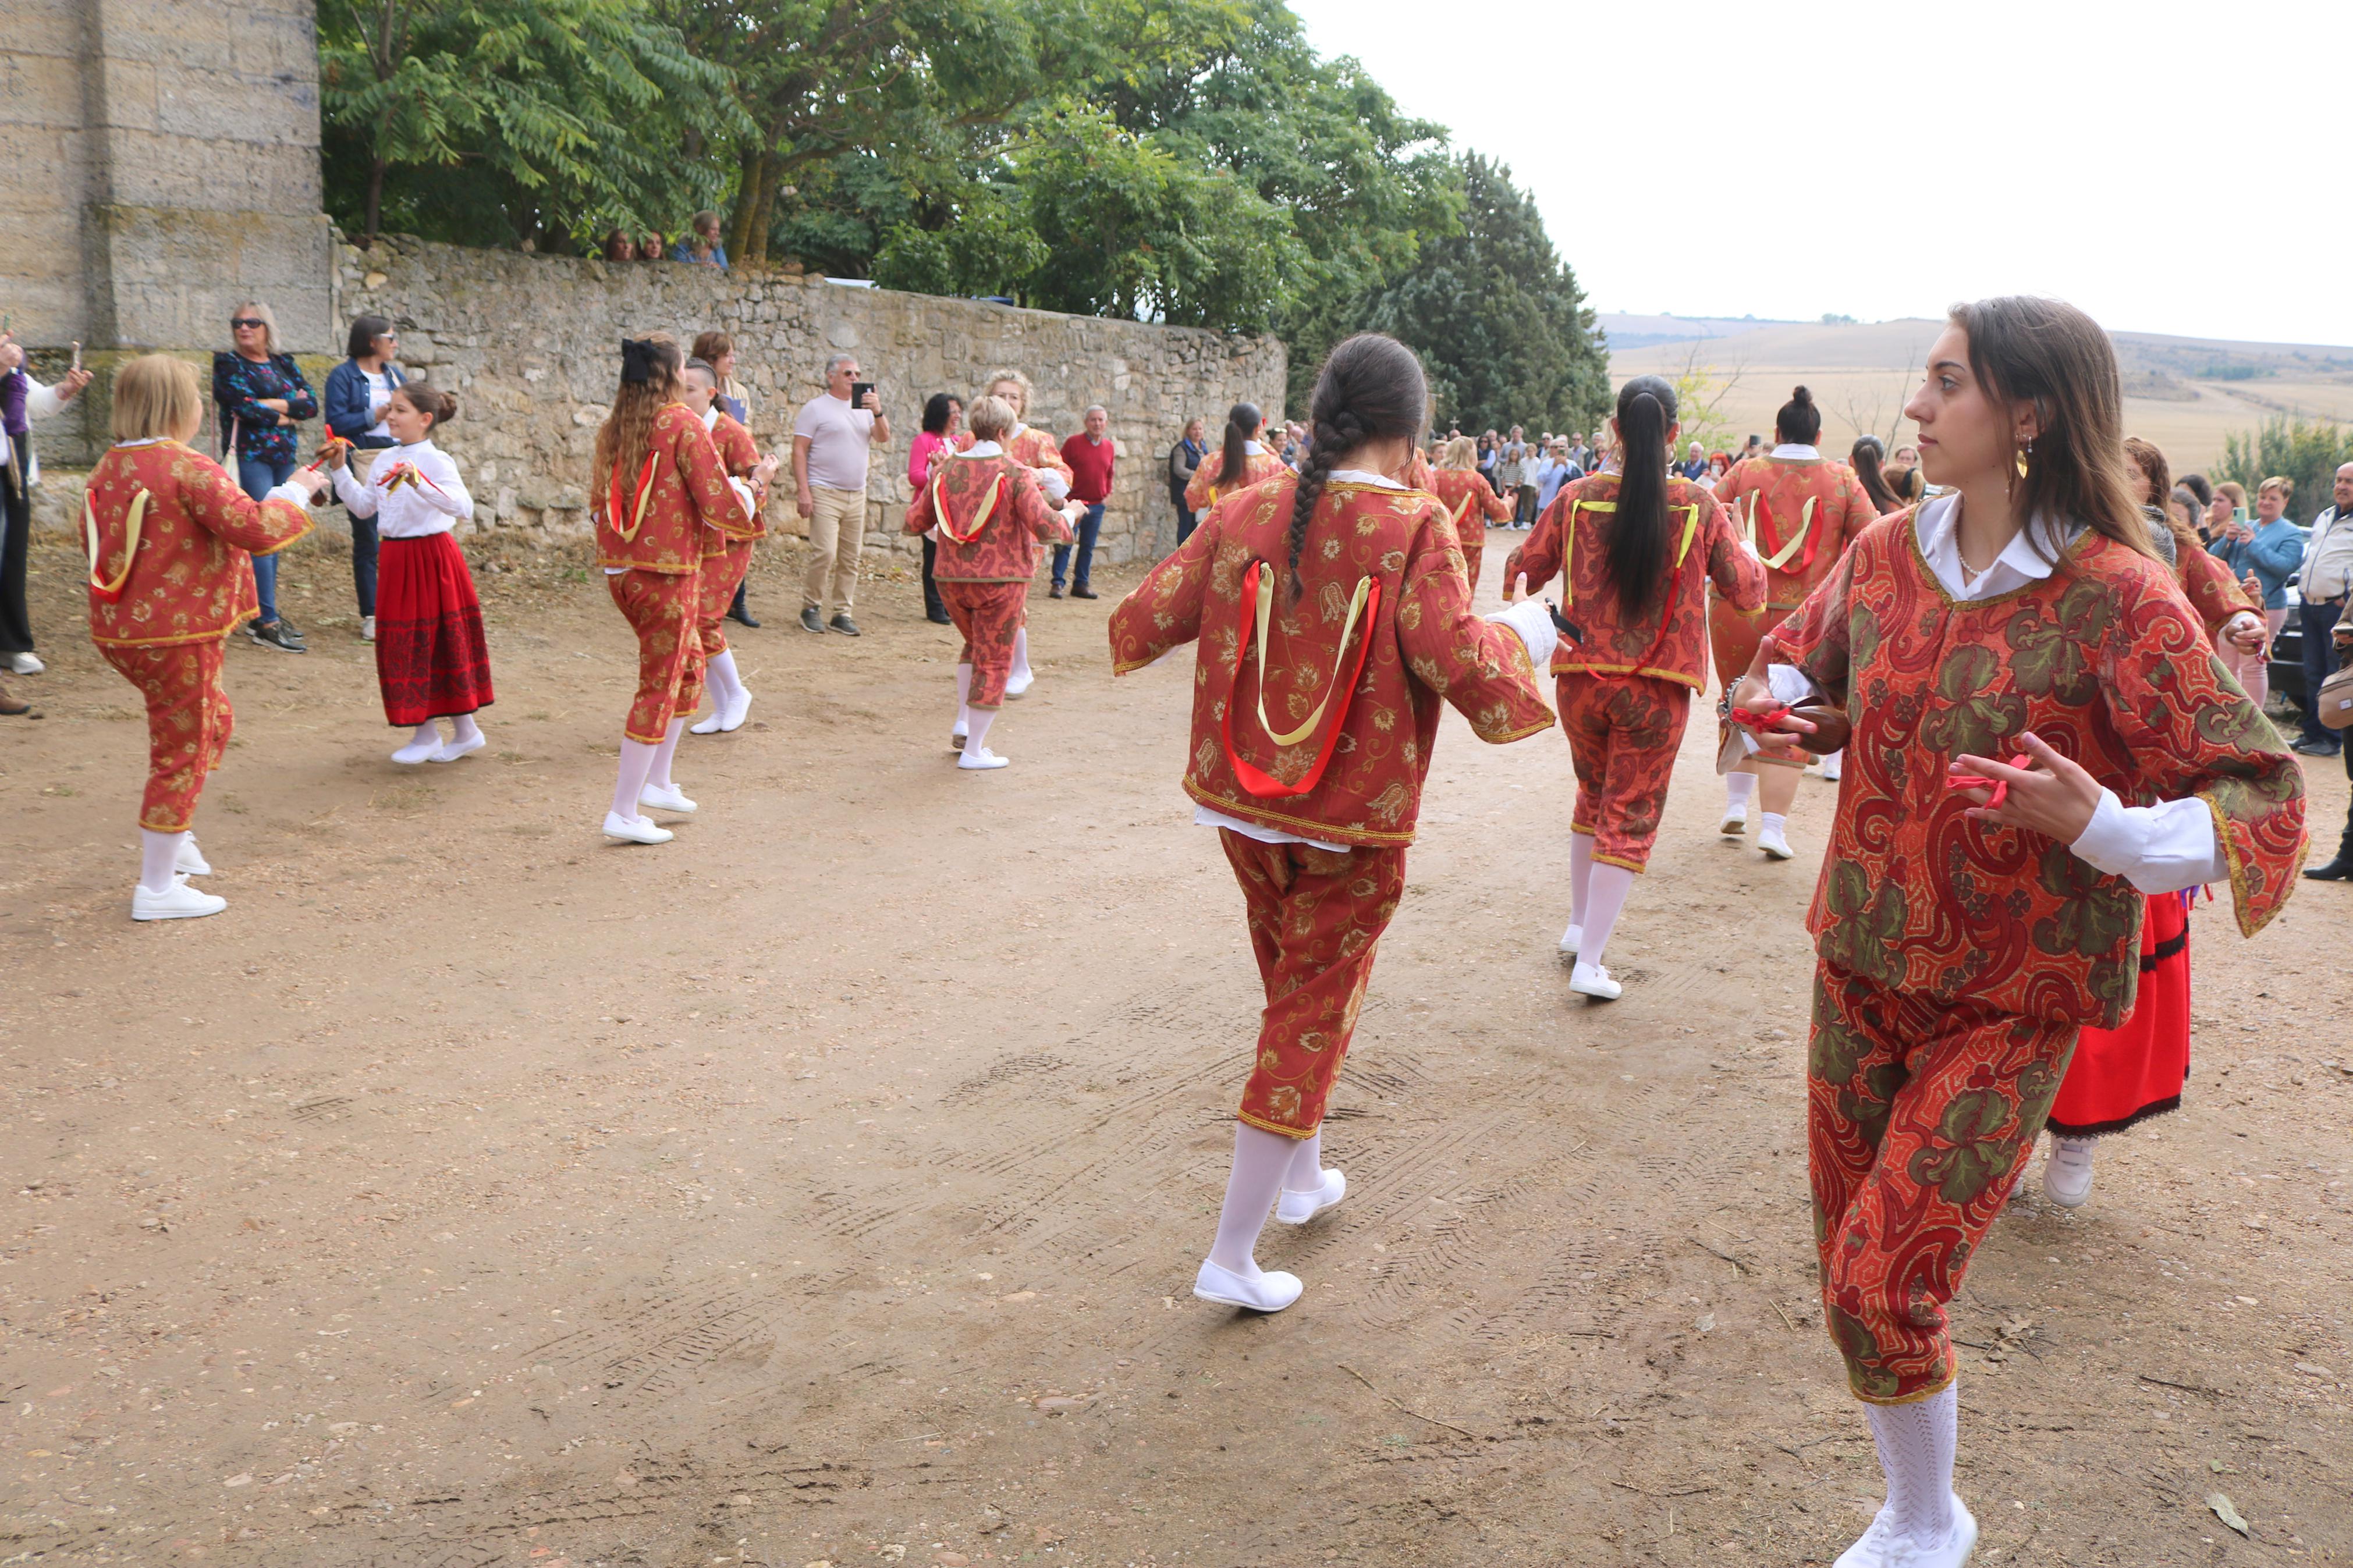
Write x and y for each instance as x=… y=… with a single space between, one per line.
x=1918 y=1112
x=1314 y=919
x=188 y=724
x=989 y=615
x=661 y=608
x=1623 y=731
x=722 y=576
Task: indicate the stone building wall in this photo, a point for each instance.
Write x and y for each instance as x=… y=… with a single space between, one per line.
x=529 y=344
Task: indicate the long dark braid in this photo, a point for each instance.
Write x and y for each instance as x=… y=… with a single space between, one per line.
x=1371 y=388
x=1634 y=556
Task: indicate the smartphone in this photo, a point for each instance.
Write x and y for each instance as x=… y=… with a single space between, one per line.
x=858 y=391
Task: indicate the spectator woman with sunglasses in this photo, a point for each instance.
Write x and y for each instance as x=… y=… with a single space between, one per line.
x=262 y=397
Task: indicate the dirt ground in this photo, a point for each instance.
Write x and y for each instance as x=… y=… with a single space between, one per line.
x=826 y=1187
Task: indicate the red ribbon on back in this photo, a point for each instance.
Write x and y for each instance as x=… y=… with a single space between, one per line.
x=1257 y=780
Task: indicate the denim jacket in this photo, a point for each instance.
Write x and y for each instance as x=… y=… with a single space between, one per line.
x=347 y=403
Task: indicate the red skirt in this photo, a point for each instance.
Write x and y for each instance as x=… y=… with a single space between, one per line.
x=2136 y=1071
x=430 y=657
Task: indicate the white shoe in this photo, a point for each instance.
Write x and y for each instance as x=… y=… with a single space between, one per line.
x=1019 y=685
x=1572 y=939
x=1271 y=1291
x=634 y=829
x=188 y=860
x=367 y=628
x=1298 y=1208
x=26 y=664
x=1592 y=980
x=2067 y=1174
x=725 y=719
x=986 y=759
x=182 y=902
x=1959 y=1544
x=1775 y=844
x=666 y=797
x=1735 y=824
x=456 y=749
x=1870 y=1550
x=416 y=752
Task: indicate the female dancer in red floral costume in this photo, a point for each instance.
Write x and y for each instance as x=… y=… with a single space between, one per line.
x=1470 y=499
x=1634 y=550
x=1975 y=914
x=1333 y=617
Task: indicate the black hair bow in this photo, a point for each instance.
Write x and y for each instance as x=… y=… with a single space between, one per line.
x=638 y=360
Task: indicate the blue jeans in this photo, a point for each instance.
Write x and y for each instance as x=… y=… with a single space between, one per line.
x=1090 y=525
x=2319 y=663
x=256 y=476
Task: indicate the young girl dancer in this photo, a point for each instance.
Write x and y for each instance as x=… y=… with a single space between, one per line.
x=1335 y=598
x=1633 y=549
x=1802 y=510
x=1966 y=935
x=656 y=486
x=988 y=515
x=169 y=535
x=726 y=546
x=431 y=660
x=1241 y=462
x=1471 y=501
x=1038 y=451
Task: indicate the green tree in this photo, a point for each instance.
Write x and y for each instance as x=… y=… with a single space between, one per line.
x=530 y=121
x=1497 y=317
x=2307 y=451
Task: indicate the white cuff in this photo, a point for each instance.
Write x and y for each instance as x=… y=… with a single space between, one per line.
x=1051 y=480
x=292 y=491
x=1532 y=619
x=2159 y=848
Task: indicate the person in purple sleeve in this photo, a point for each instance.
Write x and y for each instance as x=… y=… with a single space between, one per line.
x=22 y=401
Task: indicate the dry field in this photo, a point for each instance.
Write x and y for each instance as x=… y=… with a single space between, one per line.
x=826 y=1187
x=1861 y=376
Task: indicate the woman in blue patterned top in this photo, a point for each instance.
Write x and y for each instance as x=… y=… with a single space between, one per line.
x=262 y=397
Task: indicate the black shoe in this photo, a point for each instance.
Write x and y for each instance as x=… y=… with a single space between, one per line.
x=2337 y=870
x=810 y=620
x=844 y=625
x=276 y=634
x=939 y=618
x=1055 y=591
x=741 y=615
x=1084 y=592
x=2309 y=747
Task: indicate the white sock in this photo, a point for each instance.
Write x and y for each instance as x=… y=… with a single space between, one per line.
x=1020 y=671
x=979 y=718
x=964 y=690
x=157 y=851
x=421 y=745
x=1916 y=1443
x=1598 y=916
x=659 y=775
x=725 y=684
x=1738 y=788
x=1260 y=1160
x=1306 y=1172
x=637 y=762
x=1771 y=822
x=463 y=729
x=1831 y=765
x=1580 y=876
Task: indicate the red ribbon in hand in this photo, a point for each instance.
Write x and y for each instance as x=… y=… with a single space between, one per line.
x=1978 y=781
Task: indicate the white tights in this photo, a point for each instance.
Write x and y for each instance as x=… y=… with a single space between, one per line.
x=1264 y=1165
x=157 y=851
x=1916 y=1443
x=1599 y=907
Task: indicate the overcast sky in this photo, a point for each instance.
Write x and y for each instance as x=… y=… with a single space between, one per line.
x=1886 y=160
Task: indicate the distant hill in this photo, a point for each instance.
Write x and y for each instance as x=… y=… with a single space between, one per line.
x=2184 y=394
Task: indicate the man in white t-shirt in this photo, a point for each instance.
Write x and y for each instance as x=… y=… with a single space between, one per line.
x=831 y=443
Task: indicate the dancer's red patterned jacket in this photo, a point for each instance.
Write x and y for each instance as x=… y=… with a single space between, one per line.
x=654 y=520
x=188 y=575
x=1803 y=513
x=991 y=515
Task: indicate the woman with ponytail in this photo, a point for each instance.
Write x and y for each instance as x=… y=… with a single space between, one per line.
x=658 y=494
x=1471 y=501
x=1868 y=459
x=1800 y=509
x=1333 y=617
x=1241 y=463
x=2041 y=735
x=1633 y=549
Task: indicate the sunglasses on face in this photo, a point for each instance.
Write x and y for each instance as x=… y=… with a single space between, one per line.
x=247 y=323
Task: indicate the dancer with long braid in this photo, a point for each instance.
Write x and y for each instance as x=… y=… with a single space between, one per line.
x=1331 y=617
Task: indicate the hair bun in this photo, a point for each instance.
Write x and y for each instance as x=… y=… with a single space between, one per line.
x=1802 y=395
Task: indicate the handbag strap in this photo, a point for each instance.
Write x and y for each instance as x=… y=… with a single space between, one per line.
x=1257 y=607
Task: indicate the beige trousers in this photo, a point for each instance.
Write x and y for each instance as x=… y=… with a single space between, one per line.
x=837 y=533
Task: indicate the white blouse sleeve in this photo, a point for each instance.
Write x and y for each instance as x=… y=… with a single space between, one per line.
x=2159 y=848
x=450 y=499
x=359 y=499
x=41 y=402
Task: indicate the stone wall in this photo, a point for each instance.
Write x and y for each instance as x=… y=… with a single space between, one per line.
x=528 y=346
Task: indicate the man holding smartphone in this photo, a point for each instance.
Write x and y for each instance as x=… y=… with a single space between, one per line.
x=831 y=437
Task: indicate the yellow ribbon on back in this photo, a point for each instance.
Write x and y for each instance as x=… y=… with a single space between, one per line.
x=1462 y=512
x=1568 y=543
x=1805 y=526
x=987 y=507
x=1339 y=659
x=637 y=517
x=133 y=522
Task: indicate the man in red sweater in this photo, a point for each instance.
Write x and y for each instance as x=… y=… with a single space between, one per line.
x=1089 y=455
